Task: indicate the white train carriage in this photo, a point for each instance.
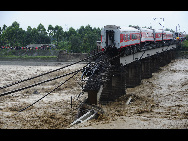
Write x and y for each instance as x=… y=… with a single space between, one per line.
x=130 y=40
x=129 y=37
x=147 y=35
x=110 y=36
x=115 y=37
x=168 y=38
x=158 y=35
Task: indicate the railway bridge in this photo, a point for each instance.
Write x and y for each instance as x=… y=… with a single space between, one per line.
x=127 y=72
x=105 y=80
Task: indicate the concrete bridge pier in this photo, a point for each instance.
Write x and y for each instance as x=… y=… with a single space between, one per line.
x=133 y=74
x=146 y=68
x=114 y=87
x=155 y=63
x=169 y=56
x=166 y=58
x=172 y=54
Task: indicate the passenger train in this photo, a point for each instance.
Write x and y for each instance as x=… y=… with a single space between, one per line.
x=131 y=40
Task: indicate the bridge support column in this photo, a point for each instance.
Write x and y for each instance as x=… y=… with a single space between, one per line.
x=163 y=59
x=146 y=68
x=155 y=63
x=92 y=97
x=133 y=75
x=169 y=58
x=114 y=87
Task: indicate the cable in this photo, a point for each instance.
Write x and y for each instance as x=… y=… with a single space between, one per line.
x=17 y=82
x=30 y=86
x=48 y=92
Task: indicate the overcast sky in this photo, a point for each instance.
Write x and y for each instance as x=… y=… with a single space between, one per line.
x=75 y=19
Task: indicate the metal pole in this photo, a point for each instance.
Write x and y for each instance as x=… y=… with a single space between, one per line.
x=71 y=101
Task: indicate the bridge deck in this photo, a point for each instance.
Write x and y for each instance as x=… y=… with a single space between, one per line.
x=140 y=55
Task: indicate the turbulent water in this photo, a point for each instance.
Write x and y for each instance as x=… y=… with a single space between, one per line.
x=159 y=102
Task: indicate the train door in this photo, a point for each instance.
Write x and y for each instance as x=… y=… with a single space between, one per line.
x=109 y=38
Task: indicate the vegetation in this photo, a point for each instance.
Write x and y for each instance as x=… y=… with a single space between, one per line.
x=80 y=40
x=185 y=44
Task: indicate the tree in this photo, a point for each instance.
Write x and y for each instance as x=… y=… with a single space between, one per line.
x=42 y=36
x=13 y=35
x=71 y=32
x=80 y=40
x=75 y=43
x=4 y=27
x=58 y=34
x=50 y=32
x=28 y=35
x=41 y=29
x=34 y=35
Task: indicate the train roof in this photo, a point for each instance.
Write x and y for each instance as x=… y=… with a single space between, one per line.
x=129 y=29
x=146 y=29
x=158 y=30
x=112 y=26
x=168 y=32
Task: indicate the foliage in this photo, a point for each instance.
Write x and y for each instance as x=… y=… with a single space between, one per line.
x=80 y=40
x=185 y=44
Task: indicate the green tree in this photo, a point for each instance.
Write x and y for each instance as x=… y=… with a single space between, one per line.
x=58 y=34
x=42 y=35
x=51 y=32
x=13 y=35
x=71 y=32
x=28 y=35
x=80 y=40
x=75 y=43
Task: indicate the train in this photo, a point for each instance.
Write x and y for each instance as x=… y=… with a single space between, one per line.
x=130 y=40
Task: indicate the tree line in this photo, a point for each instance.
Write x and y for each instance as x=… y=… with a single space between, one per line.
x=80 y=40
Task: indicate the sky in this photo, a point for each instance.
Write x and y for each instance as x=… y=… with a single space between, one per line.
x=75 y=19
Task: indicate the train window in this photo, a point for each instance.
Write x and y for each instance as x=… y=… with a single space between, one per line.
x=146 y=34
x=151 y=34
x=124 y=37
x=137 y=36
x=134 y=36
x=128 y=37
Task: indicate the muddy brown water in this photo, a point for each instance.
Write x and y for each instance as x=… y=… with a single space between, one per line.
x=159 y=102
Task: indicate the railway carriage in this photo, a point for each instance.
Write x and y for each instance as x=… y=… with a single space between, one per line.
x=147 y=38
x=124 y=39
x=130 y=40
x=158 y=38
x=147 y=35
x=168 y=37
